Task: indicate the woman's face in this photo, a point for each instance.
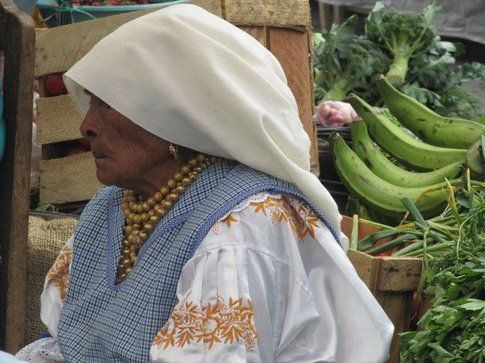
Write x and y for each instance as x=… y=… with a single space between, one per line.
x=125 y=154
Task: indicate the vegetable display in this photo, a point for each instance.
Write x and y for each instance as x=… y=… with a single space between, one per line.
x=428 y=125
x=403 y=35
x=379 y=182
x=344 y=62
x=379 y=194
x=384 y=168
x=452 y=246
x=405 y=47
x=399 y=143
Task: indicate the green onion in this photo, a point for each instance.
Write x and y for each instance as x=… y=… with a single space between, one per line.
x=391 y=244
x=354 y=237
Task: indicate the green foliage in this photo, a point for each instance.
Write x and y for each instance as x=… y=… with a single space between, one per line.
x=453 y=329
x=421 y=60
x=345 y=62
x=402 y=34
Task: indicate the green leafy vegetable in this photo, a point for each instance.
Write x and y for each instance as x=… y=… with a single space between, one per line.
x=345 y=62
x=402 y=34
x=453 y=329
x=423 y=64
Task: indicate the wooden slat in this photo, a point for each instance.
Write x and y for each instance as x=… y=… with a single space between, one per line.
x=68 y=179
x=399 y=274
x=58 y=120
x=59 y=48
x=397 y=307
x=325 y=15
x=365 y=266
x=292 y=49
x=277 y=13
x=18 y=40
x=391 y=280
x=260 y=33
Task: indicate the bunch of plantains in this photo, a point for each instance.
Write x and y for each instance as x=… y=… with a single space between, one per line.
x=436 y=158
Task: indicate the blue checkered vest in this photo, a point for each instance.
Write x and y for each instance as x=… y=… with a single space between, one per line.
x=105 y=322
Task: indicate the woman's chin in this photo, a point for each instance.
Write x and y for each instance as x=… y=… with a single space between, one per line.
x=105 y=175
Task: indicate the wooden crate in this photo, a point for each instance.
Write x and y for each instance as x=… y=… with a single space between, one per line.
x=17 y=40
x=283 y=26
x=392 y=281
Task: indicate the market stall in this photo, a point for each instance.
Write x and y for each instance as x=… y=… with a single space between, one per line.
x=395 y=138
x=407 y=141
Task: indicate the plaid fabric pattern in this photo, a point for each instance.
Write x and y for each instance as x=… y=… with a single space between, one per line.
x=104 y=322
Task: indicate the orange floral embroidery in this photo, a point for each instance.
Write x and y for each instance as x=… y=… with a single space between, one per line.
x=302 y=219
x=59 y=272
x=228 y=220
x=216 y=323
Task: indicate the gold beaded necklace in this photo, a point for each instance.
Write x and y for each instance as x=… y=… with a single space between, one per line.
x=142 y=216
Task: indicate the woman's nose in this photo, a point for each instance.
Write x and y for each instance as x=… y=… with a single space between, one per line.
x=90 y=127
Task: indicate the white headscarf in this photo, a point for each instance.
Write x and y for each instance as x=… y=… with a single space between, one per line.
x=195 y=80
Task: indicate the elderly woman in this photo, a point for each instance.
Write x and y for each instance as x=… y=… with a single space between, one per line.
x=213 y=242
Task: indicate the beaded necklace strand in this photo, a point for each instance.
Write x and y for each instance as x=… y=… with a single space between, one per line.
x=142 y=216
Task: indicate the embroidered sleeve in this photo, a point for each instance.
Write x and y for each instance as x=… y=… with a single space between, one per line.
x=52 y=300
x=232 y=303
x=277 y=209
x=216 y=313
x=219 y=323
x=56 y=286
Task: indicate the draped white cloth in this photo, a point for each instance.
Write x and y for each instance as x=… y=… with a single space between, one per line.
x=196 y=80
x=259 y=288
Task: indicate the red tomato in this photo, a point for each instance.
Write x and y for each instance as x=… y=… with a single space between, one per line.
x=55 y=85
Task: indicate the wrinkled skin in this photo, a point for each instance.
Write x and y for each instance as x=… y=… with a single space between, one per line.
x=125 y=154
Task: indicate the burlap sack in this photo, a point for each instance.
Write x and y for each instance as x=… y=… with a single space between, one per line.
x=46 y=238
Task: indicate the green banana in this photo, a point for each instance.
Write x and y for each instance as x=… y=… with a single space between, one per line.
x=387 y=170
x=379 y=194
x=400 y=144
x=428 y=125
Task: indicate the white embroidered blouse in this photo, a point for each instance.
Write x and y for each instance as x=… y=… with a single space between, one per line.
x=260 y=288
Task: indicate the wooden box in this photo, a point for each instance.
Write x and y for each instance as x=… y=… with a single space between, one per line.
x=392 y=281
x=283 y=26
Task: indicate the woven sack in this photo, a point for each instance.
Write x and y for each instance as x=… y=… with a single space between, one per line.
x=46 y=238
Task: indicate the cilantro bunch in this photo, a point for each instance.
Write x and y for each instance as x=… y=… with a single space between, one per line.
x=453 y=329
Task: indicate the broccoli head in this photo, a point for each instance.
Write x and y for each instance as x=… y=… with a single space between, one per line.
x=402 y=34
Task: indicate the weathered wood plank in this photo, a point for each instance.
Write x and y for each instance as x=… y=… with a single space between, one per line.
x=260 y=33
x=397 y=307
x=365 y=266
x=391 y=280
x=59 y=48
x=277 y=13
x=399 y=274
x=68 y=179
x=325 y=16
x=58 y=120
x=18 y=40
x=292 y=49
